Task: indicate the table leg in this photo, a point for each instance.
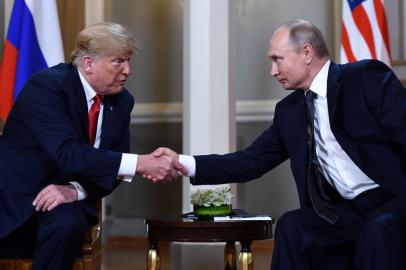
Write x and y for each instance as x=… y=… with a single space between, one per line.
x=246 y=261
x=230 y=256
x=153 y=258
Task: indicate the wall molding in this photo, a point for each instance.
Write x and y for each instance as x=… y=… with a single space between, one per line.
x=171 y=112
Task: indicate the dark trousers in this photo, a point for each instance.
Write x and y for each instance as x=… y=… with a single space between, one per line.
x=52 y=239
x=370 y=234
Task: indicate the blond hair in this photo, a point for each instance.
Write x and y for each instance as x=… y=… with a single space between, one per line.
x=103 y=38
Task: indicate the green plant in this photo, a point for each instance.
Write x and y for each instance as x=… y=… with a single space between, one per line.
x=211 y=197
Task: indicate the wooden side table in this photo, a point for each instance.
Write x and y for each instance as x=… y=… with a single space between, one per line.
x=186 y=230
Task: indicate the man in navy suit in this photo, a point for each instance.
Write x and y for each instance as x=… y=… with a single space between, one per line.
x=65 y=145
x=344 y=130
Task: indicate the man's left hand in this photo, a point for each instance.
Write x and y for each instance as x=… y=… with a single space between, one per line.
x=54 y=195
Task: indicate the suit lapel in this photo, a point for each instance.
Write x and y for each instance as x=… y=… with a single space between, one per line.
x=333 y=90
x=334 y=87
x=107 y=129
x=74 y=89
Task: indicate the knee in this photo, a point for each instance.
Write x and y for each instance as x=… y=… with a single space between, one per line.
x=287 y=223
x=382 y=226
x=70 y=227
x=66 y=223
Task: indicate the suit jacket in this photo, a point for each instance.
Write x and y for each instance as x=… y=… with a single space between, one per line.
x=367 y=112
x=45 y=141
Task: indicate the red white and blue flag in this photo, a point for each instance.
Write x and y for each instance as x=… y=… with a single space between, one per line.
x=364 y=32
x=33 y=42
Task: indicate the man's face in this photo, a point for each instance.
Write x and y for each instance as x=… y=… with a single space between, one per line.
x=109 y=73
x=288 y=66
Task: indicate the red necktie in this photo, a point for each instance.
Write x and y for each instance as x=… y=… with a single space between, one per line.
x=93 y=117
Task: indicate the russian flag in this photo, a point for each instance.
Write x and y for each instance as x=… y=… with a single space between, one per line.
x=33 y=42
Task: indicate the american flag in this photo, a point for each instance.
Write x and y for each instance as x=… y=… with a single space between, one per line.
x=364 y=32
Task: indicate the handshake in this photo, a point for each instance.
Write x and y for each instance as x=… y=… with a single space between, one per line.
x=162 y=165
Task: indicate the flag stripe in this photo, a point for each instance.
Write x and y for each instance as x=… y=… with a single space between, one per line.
x=381 y=52
x=364 y=25
x=7 y=75
x=358 y=44
x=30 y=56
x=346 y=45
x=45 y=17
x=364 y=31
x=381 y=18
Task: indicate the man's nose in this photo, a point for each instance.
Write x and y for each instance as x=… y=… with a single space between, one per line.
x=127 y=68
x=274 y=70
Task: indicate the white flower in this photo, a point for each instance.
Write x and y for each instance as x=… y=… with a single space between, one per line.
x=211 y=197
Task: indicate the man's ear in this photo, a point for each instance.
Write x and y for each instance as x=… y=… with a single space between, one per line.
x=308 y=53
x=87 y=64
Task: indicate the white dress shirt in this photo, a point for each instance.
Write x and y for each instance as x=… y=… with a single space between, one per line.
x=128 y=163
x=337 y=167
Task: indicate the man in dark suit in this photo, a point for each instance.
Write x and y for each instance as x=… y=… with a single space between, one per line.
x=64 y=145
x=344 y=131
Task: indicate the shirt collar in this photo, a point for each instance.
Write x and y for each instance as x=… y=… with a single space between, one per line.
x=319 y=83
x=89 y=91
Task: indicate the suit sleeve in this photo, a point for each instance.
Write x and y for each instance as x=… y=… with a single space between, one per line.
x=44 y=114
x=387 y=100
x=265 y=153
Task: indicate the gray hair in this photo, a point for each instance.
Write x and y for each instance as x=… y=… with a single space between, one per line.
x=103 y=38
x=303 y=32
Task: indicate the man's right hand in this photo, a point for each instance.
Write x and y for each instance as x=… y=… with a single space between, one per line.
x=158 y=167
x=161 y=151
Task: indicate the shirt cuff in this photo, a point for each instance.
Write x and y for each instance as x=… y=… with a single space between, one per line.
x=128 y=167
x=189 y=163
x=82 y=194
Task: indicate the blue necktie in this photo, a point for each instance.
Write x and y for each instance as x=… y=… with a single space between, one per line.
x=317 y=196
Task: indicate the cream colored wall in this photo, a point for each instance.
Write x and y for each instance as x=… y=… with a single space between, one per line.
x=158 y=75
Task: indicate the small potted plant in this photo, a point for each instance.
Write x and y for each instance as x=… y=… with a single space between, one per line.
x=211 y=202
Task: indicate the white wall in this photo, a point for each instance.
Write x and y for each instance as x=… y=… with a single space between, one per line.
x=158 y=75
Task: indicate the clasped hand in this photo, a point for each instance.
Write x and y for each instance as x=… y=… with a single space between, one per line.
x=160 y=166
